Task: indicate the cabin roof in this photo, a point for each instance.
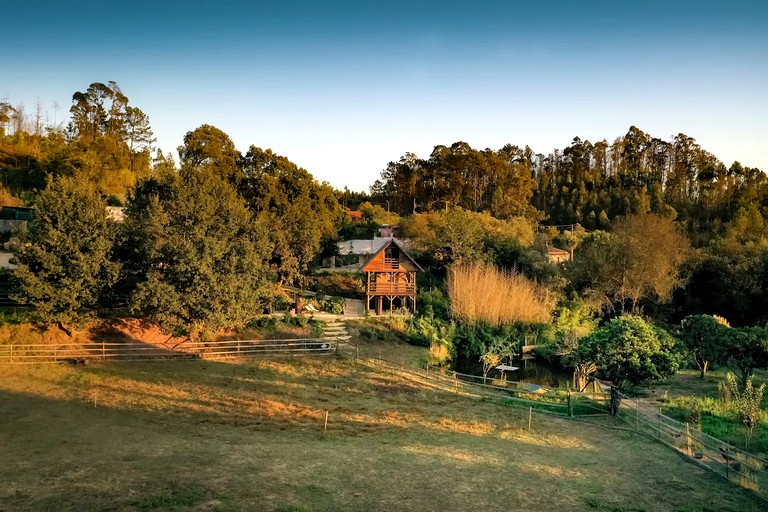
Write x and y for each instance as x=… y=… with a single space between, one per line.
x=556 y=251
x=392 y=241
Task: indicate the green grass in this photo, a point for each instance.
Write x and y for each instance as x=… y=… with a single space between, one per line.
x=688 y=398
x=250 y=436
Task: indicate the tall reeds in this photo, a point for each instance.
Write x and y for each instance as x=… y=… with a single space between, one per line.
x=485 y=294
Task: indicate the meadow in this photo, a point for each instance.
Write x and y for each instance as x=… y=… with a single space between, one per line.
x=252 y=435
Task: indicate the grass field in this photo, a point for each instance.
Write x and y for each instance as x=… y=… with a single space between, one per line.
x=688 y=398
x=247 y=435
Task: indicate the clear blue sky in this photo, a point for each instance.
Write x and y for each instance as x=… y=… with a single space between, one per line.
x=342 y=88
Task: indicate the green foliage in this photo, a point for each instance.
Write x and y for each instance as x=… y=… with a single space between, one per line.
x=433 y=303
x=299 y=211
x=499 y=182
x=333 y=305
x=746 y=349
x=211 y=148
x=63 y=261
x=571 y=322
x=197 y=256
x=702 y=336
x=339 y=284
x=639 y=260
x=459 y=235
x=474 y=340
x=747 y=401
x=436 y=334
x=628 y=350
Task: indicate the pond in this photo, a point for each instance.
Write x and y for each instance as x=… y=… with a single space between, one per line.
x=533 y=370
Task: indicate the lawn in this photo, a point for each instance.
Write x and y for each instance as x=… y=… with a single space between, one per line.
x=249 y=435
x=688 y=398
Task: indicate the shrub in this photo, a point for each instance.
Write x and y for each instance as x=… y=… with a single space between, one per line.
x=333 y=305
x=436 y=334
x=627 y=350
x=433 y=302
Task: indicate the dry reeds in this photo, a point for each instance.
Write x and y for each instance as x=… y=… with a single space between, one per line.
x=485 y=294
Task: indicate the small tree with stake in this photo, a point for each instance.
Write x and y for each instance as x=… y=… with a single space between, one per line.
x=747 y=402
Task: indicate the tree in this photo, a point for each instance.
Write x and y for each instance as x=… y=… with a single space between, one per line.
x=748 y=402
x=703 y=336
x=746 y=348
x=495 y=352
x=628 y=350
x=639 y=260
x=210 y=147
x=300 y=211
x=196 y=254
x=63 y=262
x=139 y=137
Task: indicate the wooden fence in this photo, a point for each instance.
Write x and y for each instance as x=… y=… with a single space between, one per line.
x=135 y=351
x=557 y=401
x=743 y=468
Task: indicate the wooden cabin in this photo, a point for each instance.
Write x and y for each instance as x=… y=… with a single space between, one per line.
x=390 y=281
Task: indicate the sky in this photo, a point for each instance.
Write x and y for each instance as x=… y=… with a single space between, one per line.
x=343 y=87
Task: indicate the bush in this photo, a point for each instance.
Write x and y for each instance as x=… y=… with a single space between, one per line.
x=333 y=305
x=433 y=303
x=436 y=334
x=627 y=350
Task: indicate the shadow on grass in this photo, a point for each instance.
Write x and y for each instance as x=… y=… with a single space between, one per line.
x=213 y=435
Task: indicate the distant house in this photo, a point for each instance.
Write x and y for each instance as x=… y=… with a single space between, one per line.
x=555 y=255
x=387 y=230
x=354 y=216
x=390 y=281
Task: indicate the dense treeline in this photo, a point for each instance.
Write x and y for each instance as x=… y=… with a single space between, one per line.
x=585 y=183
x=660 y=226
x=203 y=244
x=721 y=210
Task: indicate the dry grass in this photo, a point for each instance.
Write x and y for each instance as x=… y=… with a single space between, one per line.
x=485 y=294
x=249 y=436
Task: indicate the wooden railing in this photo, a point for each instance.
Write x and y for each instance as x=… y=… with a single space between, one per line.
x=391 y=263
x=391 y=288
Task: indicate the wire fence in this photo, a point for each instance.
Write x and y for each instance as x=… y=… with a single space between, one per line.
x=134 y=351
x=557 y=401
x=741 y=467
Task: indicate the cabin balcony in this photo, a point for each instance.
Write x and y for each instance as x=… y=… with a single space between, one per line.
x=392 y=263
x=391 y=288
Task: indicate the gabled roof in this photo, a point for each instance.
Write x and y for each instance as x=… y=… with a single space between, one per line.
x=390 y=242
x=361 y=246
x=557 y=251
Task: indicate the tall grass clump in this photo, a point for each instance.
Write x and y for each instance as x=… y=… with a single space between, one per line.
x=488 y=295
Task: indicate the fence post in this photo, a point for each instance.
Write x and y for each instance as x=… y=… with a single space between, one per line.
x=688 y=437
x=530 y=413
x=637 y=415
x=570 y=404
x=659 y=422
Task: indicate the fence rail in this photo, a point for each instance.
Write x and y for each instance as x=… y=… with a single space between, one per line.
x=743 y=468
x=40 y=353
x=558 y=401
